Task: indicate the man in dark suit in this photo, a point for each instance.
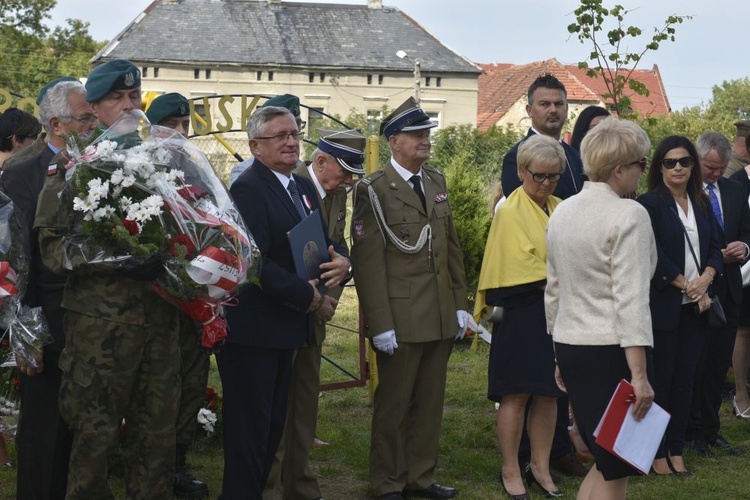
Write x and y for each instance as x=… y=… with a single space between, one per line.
x=548 y=110
x=274 y=318
x=43 y=439
x=730 y=208
x=338 y=157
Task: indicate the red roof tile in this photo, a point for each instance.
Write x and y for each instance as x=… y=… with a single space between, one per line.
x=502 y=85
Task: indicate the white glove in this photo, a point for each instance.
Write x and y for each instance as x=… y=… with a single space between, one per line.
x=465 y=321
x=385 y=342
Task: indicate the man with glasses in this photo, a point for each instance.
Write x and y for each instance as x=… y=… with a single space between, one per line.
x=728 y=202
x=548 y=110
x=43 y=439
x=276 y=316
x=121 y=356
x=411 y=284
x=288 y=101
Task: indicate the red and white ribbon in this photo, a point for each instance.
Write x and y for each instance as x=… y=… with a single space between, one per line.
x=8 y=279
x=217 y=269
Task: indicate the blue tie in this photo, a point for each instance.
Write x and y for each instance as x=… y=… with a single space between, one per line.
x=292 y=187
x=715 y=204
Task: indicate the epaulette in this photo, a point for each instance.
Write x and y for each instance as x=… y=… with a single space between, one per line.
x=433 y=170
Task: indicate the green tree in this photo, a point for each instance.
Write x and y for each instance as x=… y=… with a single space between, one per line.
x=613 y=61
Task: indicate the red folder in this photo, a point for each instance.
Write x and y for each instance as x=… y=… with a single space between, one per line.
x=635 y=443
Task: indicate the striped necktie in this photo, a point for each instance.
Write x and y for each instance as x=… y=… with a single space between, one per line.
x=292 y=187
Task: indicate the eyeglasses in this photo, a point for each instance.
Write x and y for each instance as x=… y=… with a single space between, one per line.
x=685 y=162
x=540 y=178
x=296 y=136
x=642 y=163
x=87 y=118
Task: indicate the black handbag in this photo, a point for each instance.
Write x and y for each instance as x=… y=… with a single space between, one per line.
x=716 y=316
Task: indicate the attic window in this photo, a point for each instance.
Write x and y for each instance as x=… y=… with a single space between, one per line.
x=144 y=72
x=270 y=76
x=369 y=79
x=311 y=77
x=322 y=77
x=380 y=79
x=196 y=73
x=208 y=74
x=438 y=81
x=156 y=72
x=259 y=75
x=427 y=80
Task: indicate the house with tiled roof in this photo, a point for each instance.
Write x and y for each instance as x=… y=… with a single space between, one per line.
x=502 y=92
x=335 y=57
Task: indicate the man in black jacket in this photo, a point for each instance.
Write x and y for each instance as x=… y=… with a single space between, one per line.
x=729 y=206
x=43 y=439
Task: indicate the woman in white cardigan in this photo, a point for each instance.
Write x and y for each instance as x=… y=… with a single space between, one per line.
x=600 y=261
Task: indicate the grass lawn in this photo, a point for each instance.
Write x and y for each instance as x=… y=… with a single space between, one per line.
x=469 y=459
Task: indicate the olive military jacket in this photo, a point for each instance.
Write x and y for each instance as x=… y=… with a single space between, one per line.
x=335 y=220
x=417 y=295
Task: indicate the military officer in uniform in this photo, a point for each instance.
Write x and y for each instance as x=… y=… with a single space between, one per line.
x=338 y=157
x=121 y=357
x=173 y=111
x=409 y=274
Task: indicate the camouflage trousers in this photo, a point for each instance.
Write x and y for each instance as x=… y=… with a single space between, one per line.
x=115 y=371
x=194 y=372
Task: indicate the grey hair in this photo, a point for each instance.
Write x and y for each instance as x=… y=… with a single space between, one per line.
x=713 y=140
x=256 y=124
x=315 y=154
x=55 y=102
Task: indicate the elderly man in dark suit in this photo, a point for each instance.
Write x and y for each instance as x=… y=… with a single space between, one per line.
x=411 y=285
x=548 y=110
x=273 y=318
x=730 y=208
x=43 y=439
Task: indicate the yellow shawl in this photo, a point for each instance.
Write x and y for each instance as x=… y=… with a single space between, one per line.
x=516 y=250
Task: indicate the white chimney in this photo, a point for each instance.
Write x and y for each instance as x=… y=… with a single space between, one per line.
x=375 y=4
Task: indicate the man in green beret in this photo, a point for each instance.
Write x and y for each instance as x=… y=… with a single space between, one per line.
x=288 y=101
x=121 y=357
x=172 y=111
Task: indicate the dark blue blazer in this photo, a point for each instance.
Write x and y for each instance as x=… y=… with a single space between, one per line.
x=274 y=314
x=736 y=215
x=571 y=182
x=669 y=233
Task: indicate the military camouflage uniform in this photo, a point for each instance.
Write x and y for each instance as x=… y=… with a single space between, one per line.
x=121 y=360
x=194 y=372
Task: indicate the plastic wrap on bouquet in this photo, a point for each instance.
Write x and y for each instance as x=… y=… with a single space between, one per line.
x=146 y=190
x=24 y=328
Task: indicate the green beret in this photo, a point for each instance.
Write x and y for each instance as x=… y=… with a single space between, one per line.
x=288 y=101
x=52 y=84
x=117 y=74
x=167 y=105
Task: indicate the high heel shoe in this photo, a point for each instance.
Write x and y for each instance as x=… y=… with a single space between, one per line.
x=531 y=479
x=740 y=414
x=678 y=473
x=522 y=496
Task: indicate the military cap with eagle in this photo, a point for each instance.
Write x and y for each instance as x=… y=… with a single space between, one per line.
x=406 y=118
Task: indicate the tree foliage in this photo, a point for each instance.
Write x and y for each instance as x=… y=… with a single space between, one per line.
x=31 y=55
x=612 y=61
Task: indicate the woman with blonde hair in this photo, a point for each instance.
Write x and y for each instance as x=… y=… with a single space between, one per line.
x=513 y=275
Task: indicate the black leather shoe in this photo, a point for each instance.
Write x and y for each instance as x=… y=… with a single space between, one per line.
x=701 y=447
x=721 y=444
x=520 y=496
x=569 y=465
x=434 y=491
x=531 y=479
x=556 y=478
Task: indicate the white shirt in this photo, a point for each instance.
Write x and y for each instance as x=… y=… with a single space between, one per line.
x=691 y=270
x=405 y=174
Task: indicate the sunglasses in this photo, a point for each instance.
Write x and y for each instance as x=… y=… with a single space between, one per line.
x=642 y=163
x=685 y=162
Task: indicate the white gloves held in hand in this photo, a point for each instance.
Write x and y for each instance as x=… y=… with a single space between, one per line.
x=385 y=342
x=465 y=321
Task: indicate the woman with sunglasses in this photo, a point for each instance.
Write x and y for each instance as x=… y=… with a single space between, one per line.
x=514 y=275
x=18 y=130
x=685 y=232
x=602 y=256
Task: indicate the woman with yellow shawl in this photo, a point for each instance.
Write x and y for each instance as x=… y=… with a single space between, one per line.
x=514 y=275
